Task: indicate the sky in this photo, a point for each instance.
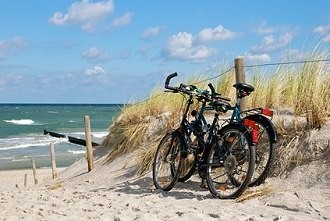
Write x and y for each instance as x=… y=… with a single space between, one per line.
x=118 y=51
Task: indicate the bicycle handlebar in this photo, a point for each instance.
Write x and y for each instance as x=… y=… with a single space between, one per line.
x=216 y=95
x=189 y=89
x=212 y=89
x=167 y=82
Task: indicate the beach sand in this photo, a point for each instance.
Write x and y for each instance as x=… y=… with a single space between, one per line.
x=11 y=179
x=113 y=192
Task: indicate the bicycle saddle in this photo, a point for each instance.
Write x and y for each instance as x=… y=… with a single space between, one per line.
x=243 y=89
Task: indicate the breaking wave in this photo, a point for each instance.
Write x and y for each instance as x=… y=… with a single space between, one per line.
x=20 y=122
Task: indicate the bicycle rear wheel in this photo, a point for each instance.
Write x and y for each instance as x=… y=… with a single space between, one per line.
x=168 y=161
x=265 y=151
x=230 y=163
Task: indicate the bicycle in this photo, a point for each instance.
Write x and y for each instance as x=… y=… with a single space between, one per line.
x=225 y=159
x=267 y=137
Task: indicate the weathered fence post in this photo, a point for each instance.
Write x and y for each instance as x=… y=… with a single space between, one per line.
x=240 y=78
x=25 y=180
x=89 y=146
x=34 y=171
x=53 y=161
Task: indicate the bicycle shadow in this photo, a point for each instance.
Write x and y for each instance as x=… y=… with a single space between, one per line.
x=144 y=186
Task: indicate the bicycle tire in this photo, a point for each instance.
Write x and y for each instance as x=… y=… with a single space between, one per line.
x=266 y=151
x=168 y=161
x=230 y=163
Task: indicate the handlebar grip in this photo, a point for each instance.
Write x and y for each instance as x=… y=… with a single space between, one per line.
x=212 y=89
x=167 y=82
x=216 y=95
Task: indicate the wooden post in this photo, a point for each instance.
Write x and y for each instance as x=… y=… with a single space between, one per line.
x=240 y=78
x=25 y=180
x=89 y=146
x=34 y=171
x=53 y=161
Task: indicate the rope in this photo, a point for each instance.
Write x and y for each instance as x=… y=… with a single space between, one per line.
x=148 y=99
x=211 y=78
x=246 y=66
x=286 y=63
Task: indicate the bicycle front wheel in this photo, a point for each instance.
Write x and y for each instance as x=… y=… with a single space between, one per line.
x=168 y=161
x=230 y=163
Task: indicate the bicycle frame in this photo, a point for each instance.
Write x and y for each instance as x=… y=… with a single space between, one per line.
x=257 y=114
x=187 y=128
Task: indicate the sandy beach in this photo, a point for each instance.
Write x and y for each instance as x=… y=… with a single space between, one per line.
x=15 y=178
x=113 y=192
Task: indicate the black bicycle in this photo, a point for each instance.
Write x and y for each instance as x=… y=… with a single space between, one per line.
x=224 y=157
x=267 y=136
x=264 y=132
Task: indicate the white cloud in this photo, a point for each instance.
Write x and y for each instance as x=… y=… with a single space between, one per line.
x=151 y=32
x=263 y=28
x=292 y=55
x=323 y=30
x=85 y=13
x=123 y=20
x=95 y=55
x=215 y=34
x=186 y=46
x=326 y=38
x=257 y=58
x=270 y=43
x=181 y=46
x=97 y=70
x=181 y=40
x=10 y=46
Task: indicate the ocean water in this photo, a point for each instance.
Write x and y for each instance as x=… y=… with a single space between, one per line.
x=22 y=132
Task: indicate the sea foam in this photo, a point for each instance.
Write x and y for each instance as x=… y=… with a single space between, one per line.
x=76 y=152
x=100 y=134
x=20 y=122
x=27 y=142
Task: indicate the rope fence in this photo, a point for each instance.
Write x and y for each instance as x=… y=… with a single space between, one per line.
x=244 y=66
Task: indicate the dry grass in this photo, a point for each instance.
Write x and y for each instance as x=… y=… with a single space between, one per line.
x=296 y=147
x=313 y=92
x=250 y=194
x=304 y=88
x=224 y=85
x=128 y=132
x=55 y=186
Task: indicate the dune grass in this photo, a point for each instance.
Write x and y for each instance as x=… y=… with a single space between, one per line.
x=302 y=88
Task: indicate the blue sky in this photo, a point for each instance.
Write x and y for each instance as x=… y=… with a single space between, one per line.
x=113 y=51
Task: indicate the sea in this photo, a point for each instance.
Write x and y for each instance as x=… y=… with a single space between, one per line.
x=22 y=135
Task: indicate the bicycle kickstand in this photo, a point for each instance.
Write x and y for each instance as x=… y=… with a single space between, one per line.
x=203 y=184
